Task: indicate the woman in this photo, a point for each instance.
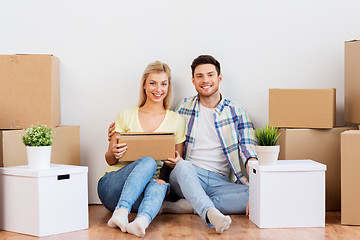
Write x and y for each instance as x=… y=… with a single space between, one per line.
x=127 y=186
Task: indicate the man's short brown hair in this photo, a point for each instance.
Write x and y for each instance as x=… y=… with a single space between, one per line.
x=205 y=59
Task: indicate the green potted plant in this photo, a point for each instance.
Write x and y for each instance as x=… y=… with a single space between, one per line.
x=38 y=140
x=267 y=150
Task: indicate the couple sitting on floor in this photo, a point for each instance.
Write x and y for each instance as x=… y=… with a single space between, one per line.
x=213 y=138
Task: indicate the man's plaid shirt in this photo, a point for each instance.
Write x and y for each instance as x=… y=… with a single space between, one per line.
x=233 y=126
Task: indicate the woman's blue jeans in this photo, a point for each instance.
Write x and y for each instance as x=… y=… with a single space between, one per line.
x=131 y=187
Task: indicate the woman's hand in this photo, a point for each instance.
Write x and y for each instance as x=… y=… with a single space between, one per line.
x=119 y=150
x=116 y=150
x=111 y=131
x=171 y=162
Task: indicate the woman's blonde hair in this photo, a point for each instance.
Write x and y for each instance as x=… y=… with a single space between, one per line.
x=156 y=67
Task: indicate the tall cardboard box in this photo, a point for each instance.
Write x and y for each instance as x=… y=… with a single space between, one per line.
x=321 y=145
x=352 y=82
x=65 y=148
x=302 y=108
x=350 y=177
x=30 y=91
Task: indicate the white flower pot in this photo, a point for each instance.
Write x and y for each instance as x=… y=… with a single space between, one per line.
x=38 y=157
x=267 y=155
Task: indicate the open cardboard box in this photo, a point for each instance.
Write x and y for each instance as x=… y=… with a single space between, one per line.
x=159 y=146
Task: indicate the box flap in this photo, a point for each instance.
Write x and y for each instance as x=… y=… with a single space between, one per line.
x=54 y=170
x=289 y=166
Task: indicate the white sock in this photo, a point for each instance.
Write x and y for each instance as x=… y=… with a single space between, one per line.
x=220 y=221
x=138 y=226
x=119 y=219
x=181 y=206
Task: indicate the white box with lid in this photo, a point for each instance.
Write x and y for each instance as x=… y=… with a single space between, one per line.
x=44 y=202
x=289 y=194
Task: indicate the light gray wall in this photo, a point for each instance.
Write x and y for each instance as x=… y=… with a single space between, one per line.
x=104 y=47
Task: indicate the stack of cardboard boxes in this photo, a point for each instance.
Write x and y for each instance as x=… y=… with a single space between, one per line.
x=306 y=118
x=307 y=121
x=30 y=94
x=350 y=140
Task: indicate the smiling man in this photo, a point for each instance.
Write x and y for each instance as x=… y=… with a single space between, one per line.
x=219 y=139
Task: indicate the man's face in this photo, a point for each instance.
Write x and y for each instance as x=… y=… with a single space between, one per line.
x=206 y=80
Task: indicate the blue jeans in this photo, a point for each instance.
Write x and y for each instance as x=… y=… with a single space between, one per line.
x=205 y=189
x=131 y=187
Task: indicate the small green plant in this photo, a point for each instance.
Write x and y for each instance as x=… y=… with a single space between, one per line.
x=267 y=136
x=39 y=135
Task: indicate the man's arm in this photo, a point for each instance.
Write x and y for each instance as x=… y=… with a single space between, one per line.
x=247 y=136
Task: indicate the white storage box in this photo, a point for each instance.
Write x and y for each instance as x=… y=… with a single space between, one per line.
x=289 y=194
x=43 y=202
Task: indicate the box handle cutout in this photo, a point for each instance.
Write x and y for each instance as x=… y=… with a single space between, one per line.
x=254 y=171
x=63 y=177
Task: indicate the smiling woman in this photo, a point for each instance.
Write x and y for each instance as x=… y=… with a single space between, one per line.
x=134 y=186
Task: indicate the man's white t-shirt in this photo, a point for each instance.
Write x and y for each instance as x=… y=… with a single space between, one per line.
x=207 y=151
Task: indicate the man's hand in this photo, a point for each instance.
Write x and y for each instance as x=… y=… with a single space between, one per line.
x=171 y=162
x=247 y=169
x=247 y=164
x=110 y=130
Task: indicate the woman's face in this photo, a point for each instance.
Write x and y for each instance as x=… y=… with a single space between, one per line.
x=156 y=87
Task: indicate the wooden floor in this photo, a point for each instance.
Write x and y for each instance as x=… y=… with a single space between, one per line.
x=189 y=226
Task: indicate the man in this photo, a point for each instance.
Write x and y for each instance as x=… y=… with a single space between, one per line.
x=217 y=132
x=219 y=139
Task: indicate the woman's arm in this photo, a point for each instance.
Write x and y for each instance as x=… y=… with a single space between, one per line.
x=116 y=150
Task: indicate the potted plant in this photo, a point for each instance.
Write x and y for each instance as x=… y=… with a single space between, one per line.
x=267 y=150
x=38 y=141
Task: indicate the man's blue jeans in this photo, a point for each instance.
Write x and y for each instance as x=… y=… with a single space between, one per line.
x=205 y=189
x=131 y=187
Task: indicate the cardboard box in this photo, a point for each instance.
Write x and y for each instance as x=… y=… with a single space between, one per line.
x=352 y=82
x=44 y=202
x=30 y=91
x=159 y=146
x=321 y=145
x=350 y=177
x=65 y=147
x=289 y=194
x=302 y=108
